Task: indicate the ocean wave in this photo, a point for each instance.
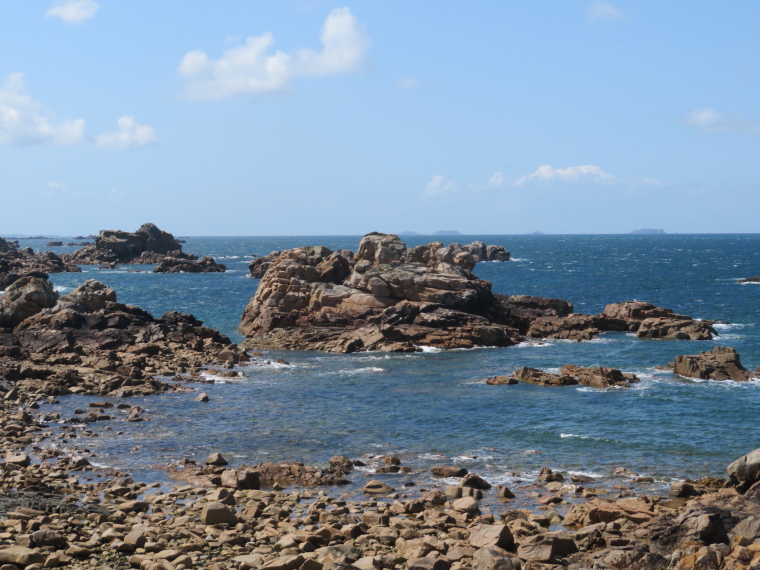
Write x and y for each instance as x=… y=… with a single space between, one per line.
x=588 y=437
x=518 y=259
x=430 y=349
x=61 y=288
x=728 y=326
x=363 y=370
x=532 y=344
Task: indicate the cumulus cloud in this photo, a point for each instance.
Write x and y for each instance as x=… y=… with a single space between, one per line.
x=545 y=173
x=24 y=121
x=253 y=68
x=131 y=134
x=711 y=121
x=73 y=11
x=604 y=11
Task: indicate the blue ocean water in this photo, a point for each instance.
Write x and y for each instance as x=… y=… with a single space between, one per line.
x=433 y=408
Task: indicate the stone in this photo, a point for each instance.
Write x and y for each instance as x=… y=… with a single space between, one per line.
x=474 y=481
x=218 y=513
x=216 y=459
x=20 y=556
x=669 y=328
x=176 y=264
x=501 y=381
x=448 y=471
x=490 y=536
x=25 y=297
x=745 y=471
x=377 y=487
x=721 y=363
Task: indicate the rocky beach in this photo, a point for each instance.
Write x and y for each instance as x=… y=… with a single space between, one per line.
x=62 y=508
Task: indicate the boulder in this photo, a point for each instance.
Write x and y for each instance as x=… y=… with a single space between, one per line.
x=521 y=310
x=25 y=297
x=576 y=326
x=747 y=280
x=259 y=266
x=384 y=298
x=218 y=513
x=721 y=363
x=745 y=471
x=490 y=536
x=448 y=471
x=20 y=556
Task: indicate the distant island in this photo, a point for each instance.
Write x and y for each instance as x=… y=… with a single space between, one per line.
x=447 y=233
x=651 y=232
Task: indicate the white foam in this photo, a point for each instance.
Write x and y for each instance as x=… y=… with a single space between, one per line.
x=532 y=344
x=430 y=349
x=517 y=259
x=589 y=437
x=60 y=288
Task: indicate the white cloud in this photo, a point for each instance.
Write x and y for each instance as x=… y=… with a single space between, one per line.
x=439 y=185
x=711 y=121
x=24 y=121
x=73 y=11
x=496 y=180
x=604 y=11
x=546 y=173
x=131 y=134
x=252 y=68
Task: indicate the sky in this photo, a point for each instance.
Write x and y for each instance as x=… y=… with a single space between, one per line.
x=310 y=117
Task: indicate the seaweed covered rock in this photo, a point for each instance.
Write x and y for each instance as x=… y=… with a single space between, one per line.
x=384 y=298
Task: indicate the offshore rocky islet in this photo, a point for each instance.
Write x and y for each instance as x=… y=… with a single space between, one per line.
x=532 y=552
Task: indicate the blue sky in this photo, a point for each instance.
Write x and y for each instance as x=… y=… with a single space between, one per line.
x=314 y=118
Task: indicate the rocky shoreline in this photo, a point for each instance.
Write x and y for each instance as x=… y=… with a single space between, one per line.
x=58 y=510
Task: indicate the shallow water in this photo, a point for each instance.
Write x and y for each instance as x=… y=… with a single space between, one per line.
x=433 y=408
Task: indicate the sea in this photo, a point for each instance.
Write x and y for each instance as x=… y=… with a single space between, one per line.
x=434 y=407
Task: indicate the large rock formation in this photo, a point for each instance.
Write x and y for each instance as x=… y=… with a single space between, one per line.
x=147 y=245
x=386 y=297
x=88 y=342
x=721 y=363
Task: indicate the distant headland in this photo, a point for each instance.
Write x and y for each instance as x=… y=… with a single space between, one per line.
x=651 y=232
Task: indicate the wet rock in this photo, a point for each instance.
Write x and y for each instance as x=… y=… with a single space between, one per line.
x=668 y=328
x=377 y=487
x=501 y=381
x=448 y=471
x=216 y=459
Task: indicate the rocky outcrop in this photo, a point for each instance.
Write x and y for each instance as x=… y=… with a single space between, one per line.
x=483 y=252
x=147 y=245
x=179 y=265
x=570 y=375
x=521 y=310
x=599 y=376
x=721 y=363
x=750 y=280
x=385 y=298
x=16 y=263
x=6 y=246
x=88 y=342
x=258 y=267
x=544 y=318
x=745 y=471
x=536 y=376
